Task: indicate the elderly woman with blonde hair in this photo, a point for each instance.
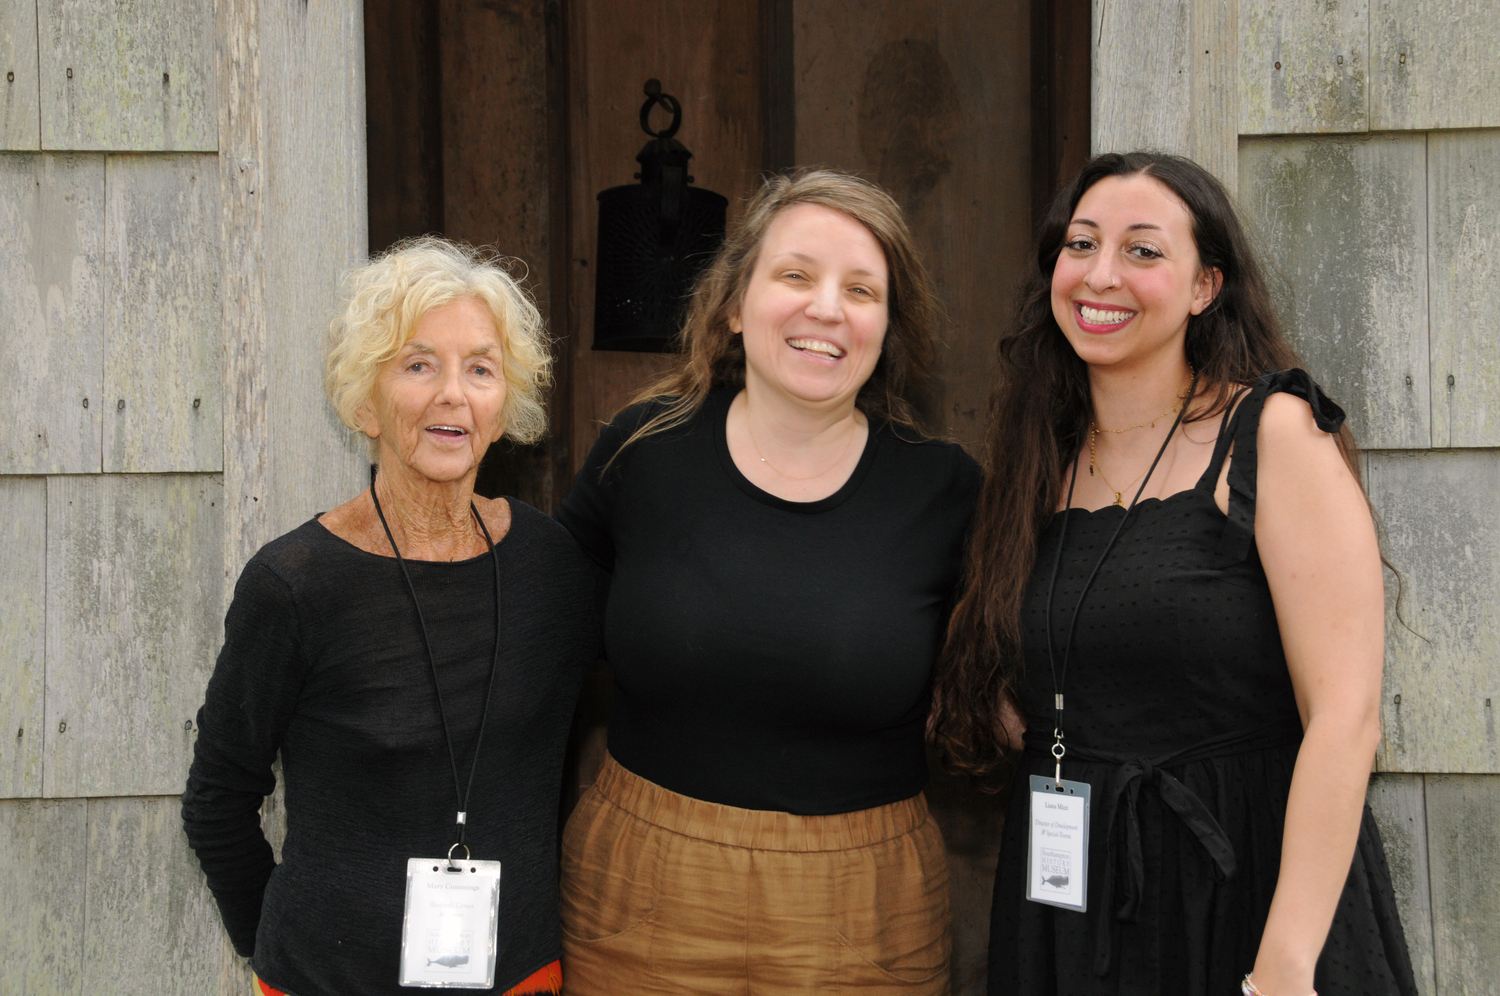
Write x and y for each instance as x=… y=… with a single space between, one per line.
x=413 y=656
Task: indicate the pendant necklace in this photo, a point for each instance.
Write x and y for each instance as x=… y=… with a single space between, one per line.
x=1096 y=468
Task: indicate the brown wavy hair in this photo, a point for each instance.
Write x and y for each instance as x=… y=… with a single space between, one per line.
x=1039 y=414
x=713 y=356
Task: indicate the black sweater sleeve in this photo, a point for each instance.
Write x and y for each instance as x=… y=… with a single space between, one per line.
x=588 y=510
x=249 y=702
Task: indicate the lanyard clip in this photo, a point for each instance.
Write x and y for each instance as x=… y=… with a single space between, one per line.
x=1058 y=750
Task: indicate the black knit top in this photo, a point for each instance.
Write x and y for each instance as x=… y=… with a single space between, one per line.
x=772 y=654
x=323 y=662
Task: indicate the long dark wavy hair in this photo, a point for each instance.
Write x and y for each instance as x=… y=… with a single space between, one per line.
x=1039 y=414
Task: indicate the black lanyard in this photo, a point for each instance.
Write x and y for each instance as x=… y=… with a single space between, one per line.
x=461 y=795
x=1058 y=679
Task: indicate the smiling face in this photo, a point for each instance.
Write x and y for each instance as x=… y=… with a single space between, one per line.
x=1129 y=275
x=815 y=311
x=437 y=405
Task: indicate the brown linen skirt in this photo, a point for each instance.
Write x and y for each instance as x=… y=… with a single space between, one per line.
x=662 y=893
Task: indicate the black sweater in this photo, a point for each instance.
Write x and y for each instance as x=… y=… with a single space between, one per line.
x=323 y=661
x=771 y=654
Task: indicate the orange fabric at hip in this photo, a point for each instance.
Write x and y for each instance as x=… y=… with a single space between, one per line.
x=666 y=894
x=545 y=981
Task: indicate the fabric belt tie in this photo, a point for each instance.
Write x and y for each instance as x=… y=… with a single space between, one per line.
x=1131 y=775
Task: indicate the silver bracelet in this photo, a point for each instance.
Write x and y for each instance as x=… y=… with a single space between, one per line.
x=1249 y=988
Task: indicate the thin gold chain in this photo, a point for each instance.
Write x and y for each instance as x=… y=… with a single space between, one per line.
x=1181 y=399
x=1093 y=465
x=1094 y=430
x=1151 y=422
x=793 y=477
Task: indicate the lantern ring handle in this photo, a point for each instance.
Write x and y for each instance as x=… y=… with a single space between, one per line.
x=654 y=96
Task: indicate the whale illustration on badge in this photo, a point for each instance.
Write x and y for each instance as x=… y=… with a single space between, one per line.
x=449 y=961
x=1056 y=881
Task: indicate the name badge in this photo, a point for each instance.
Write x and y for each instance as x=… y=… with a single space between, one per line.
x=448 y=936
x=1058 y=857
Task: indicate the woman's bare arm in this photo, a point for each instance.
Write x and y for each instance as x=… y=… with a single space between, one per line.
x=1317 y=542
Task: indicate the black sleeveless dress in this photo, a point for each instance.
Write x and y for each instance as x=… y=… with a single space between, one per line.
x=1180 y=715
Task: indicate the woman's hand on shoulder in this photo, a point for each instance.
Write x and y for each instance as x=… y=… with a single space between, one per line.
x=1317 y=542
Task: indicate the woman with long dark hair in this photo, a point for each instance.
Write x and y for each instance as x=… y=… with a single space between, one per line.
x=1175 y=606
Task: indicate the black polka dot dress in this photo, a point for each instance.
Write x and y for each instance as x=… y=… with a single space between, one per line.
x=1180 y=715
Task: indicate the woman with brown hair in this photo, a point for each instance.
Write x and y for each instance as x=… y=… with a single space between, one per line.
x=1175 y=593
x=784 y=544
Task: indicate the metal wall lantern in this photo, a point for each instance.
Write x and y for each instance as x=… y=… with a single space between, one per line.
x=654 y=239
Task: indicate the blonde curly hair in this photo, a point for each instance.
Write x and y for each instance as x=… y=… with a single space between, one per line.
x=388 y=296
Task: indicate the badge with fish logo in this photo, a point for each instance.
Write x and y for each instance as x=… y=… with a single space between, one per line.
x=1058 y=849
x=448 y=936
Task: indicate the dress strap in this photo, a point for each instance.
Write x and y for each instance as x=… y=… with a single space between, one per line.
x=1239 y=531
x=1210 y=476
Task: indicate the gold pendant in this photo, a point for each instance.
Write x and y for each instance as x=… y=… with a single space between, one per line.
x=1117 y=499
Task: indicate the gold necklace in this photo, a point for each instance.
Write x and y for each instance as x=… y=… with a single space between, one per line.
x=1093 y=465
x=1152 y=423
x=1094 y=431
x=793 y=477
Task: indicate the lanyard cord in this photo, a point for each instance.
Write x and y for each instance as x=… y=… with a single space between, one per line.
x=1059 y=679
x=462 y=796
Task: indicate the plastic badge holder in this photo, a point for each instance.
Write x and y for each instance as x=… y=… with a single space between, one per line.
x=448 y=935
